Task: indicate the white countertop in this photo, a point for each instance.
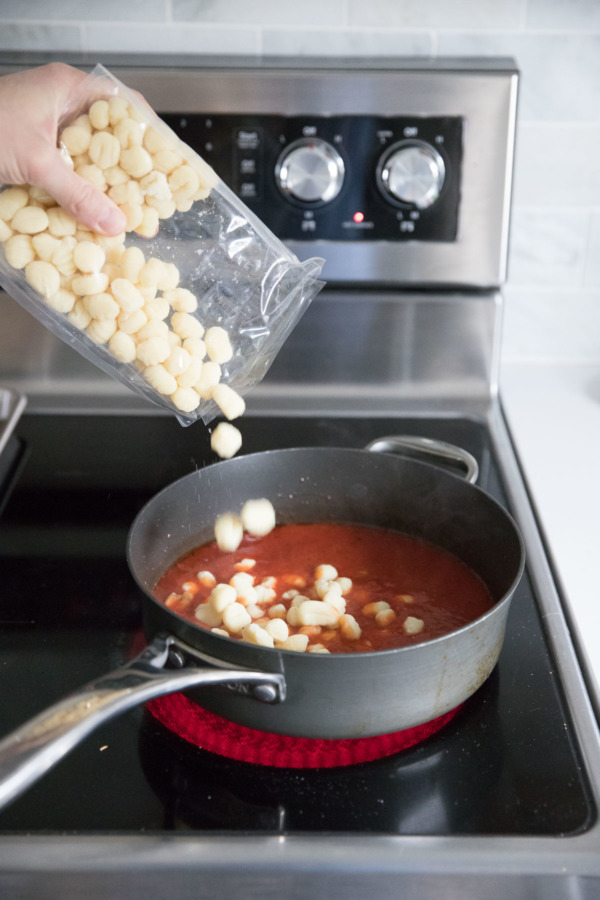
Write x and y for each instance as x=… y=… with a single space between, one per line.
x=554 y=414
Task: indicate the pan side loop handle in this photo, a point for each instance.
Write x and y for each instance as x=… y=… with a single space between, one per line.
x=34 y=748
x=429 y=447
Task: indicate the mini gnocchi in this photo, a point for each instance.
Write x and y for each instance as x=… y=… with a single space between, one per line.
x=111 y=289
x=322 y=607
x=258 y=517
x=246 y=608
x=226 y=440
x=250 y=588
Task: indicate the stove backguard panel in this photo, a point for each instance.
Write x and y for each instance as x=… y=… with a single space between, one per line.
x=374 y=337
x=481 y=95
x=448 y=121
x=351 y=351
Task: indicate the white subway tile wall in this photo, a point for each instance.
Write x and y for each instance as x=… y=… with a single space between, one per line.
x=553 y=290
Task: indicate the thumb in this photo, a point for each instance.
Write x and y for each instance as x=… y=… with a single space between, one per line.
x=84 y=202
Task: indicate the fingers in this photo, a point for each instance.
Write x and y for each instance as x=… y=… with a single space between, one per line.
x=85 y=203
x=31 y=105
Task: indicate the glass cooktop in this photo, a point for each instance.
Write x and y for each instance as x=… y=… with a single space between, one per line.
x=507 y=763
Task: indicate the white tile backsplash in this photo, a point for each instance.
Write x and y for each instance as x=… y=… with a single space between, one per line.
x=560 y=73
x=557 y=165
x=40 y=36
x=556 y=324
x=436 y=14
x=547 y=247
x=180 y=38
x=563 y=14
x=263 y=13
x=347 y=42
x=552 y=309
x=84 y=10
x=591 y=274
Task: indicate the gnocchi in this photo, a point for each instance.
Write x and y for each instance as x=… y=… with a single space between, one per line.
x=11 y=201
x=268 y=612
x=258 y=517
x=122 y=347
x=412 y=625
x=43 y=277
x=114 y=293
x=88 y=256
x=218 y=345
x=229 y=532
x=232 y=405
x=348 y=617
x=186 y=399
x=221 y=596
x=245 y=609
x=241 y=600
x=19 y=251
x=62 y=301
x=30 y=220
x=225 y=440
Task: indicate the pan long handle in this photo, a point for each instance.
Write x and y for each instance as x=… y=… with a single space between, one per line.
x=429 y=447
x=31 y=750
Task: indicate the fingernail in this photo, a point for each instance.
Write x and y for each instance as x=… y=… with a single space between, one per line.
x=111 y=221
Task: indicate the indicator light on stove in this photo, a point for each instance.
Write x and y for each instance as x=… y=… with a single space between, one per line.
x=358 y=217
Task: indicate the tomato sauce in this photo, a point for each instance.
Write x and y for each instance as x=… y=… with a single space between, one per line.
x=418 y=581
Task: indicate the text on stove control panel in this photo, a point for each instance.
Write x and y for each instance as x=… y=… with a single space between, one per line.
x=338 y=177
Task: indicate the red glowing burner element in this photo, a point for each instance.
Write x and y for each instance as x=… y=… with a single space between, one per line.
x=210 y=732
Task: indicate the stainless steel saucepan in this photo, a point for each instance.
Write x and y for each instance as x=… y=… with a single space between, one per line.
x=300 y=694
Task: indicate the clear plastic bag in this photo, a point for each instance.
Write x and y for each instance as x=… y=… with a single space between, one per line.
x=216 y=288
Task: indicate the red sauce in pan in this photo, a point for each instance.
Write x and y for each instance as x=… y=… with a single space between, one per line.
x=416 y=579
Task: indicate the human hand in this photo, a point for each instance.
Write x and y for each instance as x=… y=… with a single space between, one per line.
x=32 y=103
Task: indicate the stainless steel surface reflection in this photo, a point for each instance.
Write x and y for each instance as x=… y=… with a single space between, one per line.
x=351 y=351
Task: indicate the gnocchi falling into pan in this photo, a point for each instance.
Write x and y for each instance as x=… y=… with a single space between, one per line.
x=265 y=584
x=190 y=304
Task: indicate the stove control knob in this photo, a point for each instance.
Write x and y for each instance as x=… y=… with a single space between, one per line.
x=411 y=172
x=310 y=171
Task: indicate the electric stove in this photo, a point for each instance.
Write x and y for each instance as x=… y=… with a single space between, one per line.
x=410 y=211
x=507 y=763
